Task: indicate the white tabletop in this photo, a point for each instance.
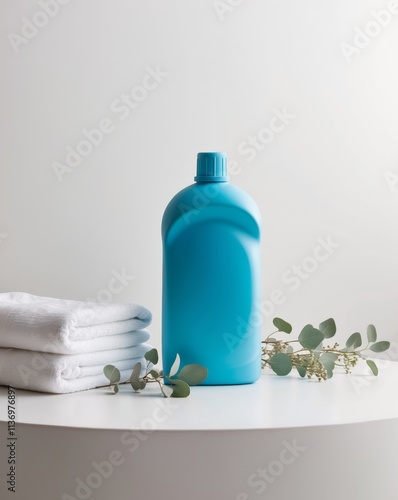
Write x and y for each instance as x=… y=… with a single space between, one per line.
x=271 y=403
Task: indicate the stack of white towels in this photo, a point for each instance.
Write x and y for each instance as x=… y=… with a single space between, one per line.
x=59 y=346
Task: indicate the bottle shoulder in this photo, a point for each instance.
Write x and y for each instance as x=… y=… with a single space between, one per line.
x=204 y=200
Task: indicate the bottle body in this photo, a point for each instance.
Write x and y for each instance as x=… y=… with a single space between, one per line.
x=211 y=282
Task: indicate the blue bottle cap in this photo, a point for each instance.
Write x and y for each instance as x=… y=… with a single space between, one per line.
x=211 y=167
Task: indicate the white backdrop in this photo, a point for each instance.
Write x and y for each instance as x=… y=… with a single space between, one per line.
x=302 y=96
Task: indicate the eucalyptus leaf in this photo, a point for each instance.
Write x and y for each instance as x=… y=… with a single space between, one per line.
x=319 y=348
x=154 y=373
x=371 y=333
x=328 y=364
x=354 y=341
x=136 y=370
x=175 y=366
x=328 y=361
x=193 y=374
x=166 y=390
x=135 y=377
x=310 y=337
x=112 y=374
x=316 y=353
x=330 y=356
x=116 y=388
x=328 y=328
x=380 y=346
x=289 y=349
x=282 y=325
x=302 y=371
x=152 y=356
x=141 y=384
x=281 y=363
x=373 y=367
x=180 y=389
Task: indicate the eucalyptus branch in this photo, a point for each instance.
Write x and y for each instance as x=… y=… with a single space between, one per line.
x=313 y=358
x=178 y=380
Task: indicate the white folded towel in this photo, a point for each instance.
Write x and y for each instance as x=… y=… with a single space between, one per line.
x=61 y=373
x=69 y=326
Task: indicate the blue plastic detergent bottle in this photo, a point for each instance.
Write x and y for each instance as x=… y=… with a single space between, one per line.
x=211 y=277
